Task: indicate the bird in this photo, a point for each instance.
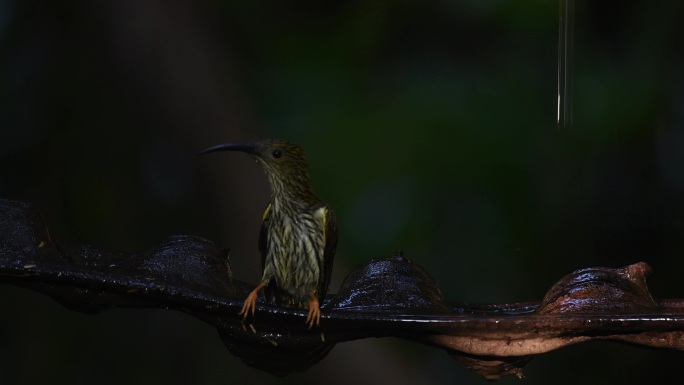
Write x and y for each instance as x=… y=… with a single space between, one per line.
x=299 y=232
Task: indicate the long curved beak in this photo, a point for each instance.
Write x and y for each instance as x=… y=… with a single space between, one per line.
x=242 y=147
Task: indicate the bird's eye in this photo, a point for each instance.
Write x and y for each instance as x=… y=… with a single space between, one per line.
x=277 y=153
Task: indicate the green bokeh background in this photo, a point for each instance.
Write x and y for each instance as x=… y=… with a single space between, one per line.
x=430 y=127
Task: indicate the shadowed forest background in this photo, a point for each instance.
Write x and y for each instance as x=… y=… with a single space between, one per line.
x=430 y=128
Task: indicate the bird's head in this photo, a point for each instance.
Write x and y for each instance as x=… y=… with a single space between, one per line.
x=284 y=162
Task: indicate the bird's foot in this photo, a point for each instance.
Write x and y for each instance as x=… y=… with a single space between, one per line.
x=249 y=306
x=314 y=316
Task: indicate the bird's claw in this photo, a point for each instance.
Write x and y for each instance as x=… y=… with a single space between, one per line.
x=249 y=306
x=314 y=316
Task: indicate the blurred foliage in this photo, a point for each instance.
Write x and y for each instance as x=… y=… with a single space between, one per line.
x=430 y=127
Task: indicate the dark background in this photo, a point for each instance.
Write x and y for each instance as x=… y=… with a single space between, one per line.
x=430 y=127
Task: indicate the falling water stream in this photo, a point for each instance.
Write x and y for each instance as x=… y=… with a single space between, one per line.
x=565 y=53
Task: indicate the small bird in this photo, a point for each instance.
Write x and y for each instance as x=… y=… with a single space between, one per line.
x=298 y=235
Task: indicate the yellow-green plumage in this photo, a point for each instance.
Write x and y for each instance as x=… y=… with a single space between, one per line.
x=299 y=231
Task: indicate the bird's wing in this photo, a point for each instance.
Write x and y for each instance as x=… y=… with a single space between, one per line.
x=330 y=239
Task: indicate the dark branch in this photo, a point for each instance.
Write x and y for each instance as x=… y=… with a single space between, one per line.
x=385 y=297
